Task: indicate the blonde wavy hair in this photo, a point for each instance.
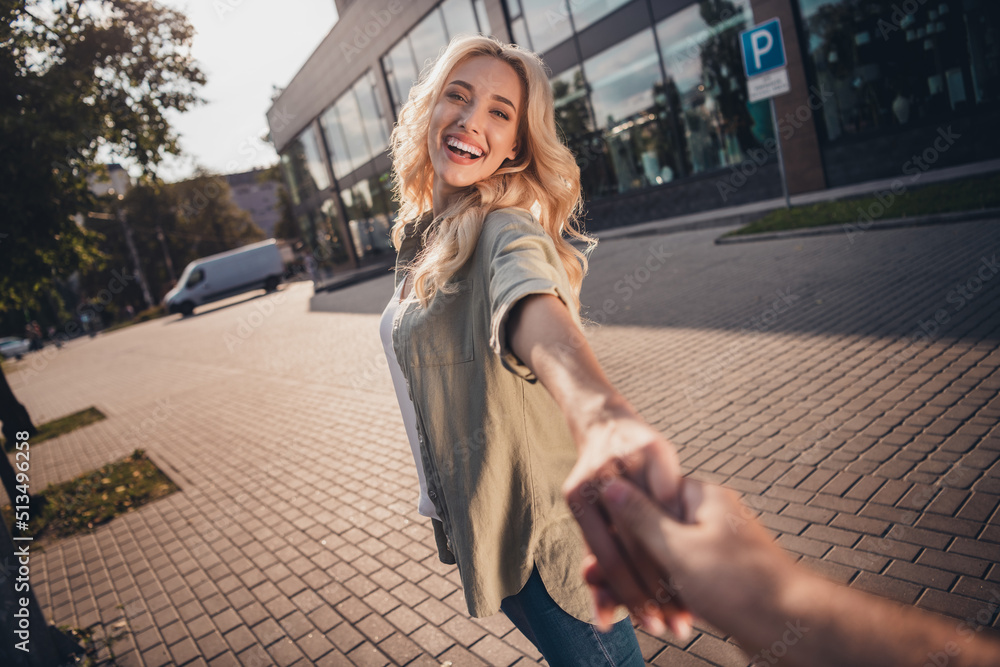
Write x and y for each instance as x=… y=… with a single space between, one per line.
x=543 y=178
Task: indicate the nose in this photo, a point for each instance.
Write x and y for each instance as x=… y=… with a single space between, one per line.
x=472 y=117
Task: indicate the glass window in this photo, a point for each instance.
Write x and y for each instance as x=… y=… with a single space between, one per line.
x=290 y=178
x=303 y=167
x=400 y=71
x=382 y=216
x=547 y=22
x=351 y=125
x=520 y=33
x=371 y=114
x=332 y=250
x=427 y=39
x=459 y=17
x=314 y=161
x=706 y=87
x=196 y=277
x=484 y=19
x=892 y=68
x=333 y=131
x=631 y=109
x=586 y=13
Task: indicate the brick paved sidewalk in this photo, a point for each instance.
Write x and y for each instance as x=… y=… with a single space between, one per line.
x=849 y=389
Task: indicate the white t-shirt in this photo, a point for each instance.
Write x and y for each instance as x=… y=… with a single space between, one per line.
x=424 y=505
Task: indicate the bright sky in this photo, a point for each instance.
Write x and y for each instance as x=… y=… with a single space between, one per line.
x=244 y=47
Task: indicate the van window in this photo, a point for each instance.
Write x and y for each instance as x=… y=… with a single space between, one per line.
x=196 y=277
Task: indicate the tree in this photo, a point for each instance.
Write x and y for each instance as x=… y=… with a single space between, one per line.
x=286 y=228
x=209 y=220
x=78 y=77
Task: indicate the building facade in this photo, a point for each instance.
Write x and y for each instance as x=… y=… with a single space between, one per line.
x=257 y=194
x=651 y=98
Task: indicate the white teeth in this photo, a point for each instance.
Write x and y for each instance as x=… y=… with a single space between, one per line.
x=452 y=141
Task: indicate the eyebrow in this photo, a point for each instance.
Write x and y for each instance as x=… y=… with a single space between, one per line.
x=498 y=98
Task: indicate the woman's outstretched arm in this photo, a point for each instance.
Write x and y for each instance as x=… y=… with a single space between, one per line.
x=612 y=440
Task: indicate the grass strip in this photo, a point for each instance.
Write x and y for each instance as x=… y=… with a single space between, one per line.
x=60 y=426
x=968 y=194
x=94 y=498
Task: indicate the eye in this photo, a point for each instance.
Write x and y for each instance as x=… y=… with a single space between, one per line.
x=456 y=96
x=502 y=114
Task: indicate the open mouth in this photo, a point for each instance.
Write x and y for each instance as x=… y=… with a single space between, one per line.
x=463 y=149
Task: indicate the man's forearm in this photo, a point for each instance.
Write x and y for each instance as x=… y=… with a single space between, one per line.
x=817 y=623
x=542 y=334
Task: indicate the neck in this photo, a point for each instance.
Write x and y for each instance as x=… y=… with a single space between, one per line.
x=443 y=195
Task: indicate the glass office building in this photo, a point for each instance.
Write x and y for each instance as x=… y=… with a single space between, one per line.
x=650 y=96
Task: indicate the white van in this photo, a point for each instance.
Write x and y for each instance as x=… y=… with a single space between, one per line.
x=229 y=273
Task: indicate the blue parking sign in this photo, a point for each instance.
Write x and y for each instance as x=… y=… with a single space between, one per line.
x=762 y=48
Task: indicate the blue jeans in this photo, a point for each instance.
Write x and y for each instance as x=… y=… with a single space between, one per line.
x=563 y=639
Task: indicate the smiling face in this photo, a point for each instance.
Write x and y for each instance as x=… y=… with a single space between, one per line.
x=473 y=127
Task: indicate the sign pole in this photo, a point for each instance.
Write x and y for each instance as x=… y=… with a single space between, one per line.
x=781 y=157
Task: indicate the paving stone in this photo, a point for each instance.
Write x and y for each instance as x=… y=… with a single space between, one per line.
x=894 y=464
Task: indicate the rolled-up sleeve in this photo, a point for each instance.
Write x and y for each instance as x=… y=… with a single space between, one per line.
x=523 y=260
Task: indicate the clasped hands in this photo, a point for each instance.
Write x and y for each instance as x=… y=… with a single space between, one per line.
x=661 y=544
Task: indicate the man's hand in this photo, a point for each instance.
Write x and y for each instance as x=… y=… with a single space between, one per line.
x=617 y=442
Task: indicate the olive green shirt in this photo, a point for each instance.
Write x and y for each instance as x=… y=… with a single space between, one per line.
x=495 y=446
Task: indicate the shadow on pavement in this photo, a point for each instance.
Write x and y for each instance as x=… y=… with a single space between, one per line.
x=928 y=282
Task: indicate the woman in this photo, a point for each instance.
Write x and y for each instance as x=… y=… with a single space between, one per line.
x=483 y=337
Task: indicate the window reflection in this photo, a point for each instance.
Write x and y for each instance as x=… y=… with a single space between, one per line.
x=372 y=118
x=351 y=126
x=354 y=127
x=401 y=71
x=589 y=11
x=700 y=49
x=333 y=131
x=888 y=68
x=303 y=167
x=547 y=22
x=427 y=39
x=459 y=17
x=368 y=218
x=631 y=108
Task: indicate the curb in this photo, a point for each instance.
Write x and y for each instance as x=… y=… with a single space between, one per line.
x=842 y=228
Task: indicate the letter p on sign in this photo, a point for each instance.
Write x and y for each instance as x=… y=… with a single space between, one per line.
x=762 y=48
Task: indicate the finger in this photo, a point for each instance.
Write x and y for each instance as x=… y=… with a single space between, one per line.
x=603 y=544
x=663 y=476
x=641 y=521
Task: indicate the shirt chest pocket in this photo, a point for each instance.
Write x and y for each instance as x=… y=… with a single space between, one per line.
x=442 y=334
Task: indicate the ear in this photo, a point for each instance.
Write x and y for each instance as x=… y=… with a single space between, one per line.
x=513 y=152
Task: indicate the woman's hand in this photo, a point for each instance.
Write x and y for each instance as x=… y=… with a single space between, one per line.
x=617 y=442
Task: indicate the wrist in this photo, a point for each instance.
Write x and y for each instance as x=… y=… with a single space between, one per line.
x=595 y=409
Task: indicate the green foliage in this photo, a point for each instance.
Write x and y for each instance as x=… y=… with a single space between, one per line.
x=95 y=498
x=286 y=227
x=60 y=426
x=76 y=77
x=968 y=194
